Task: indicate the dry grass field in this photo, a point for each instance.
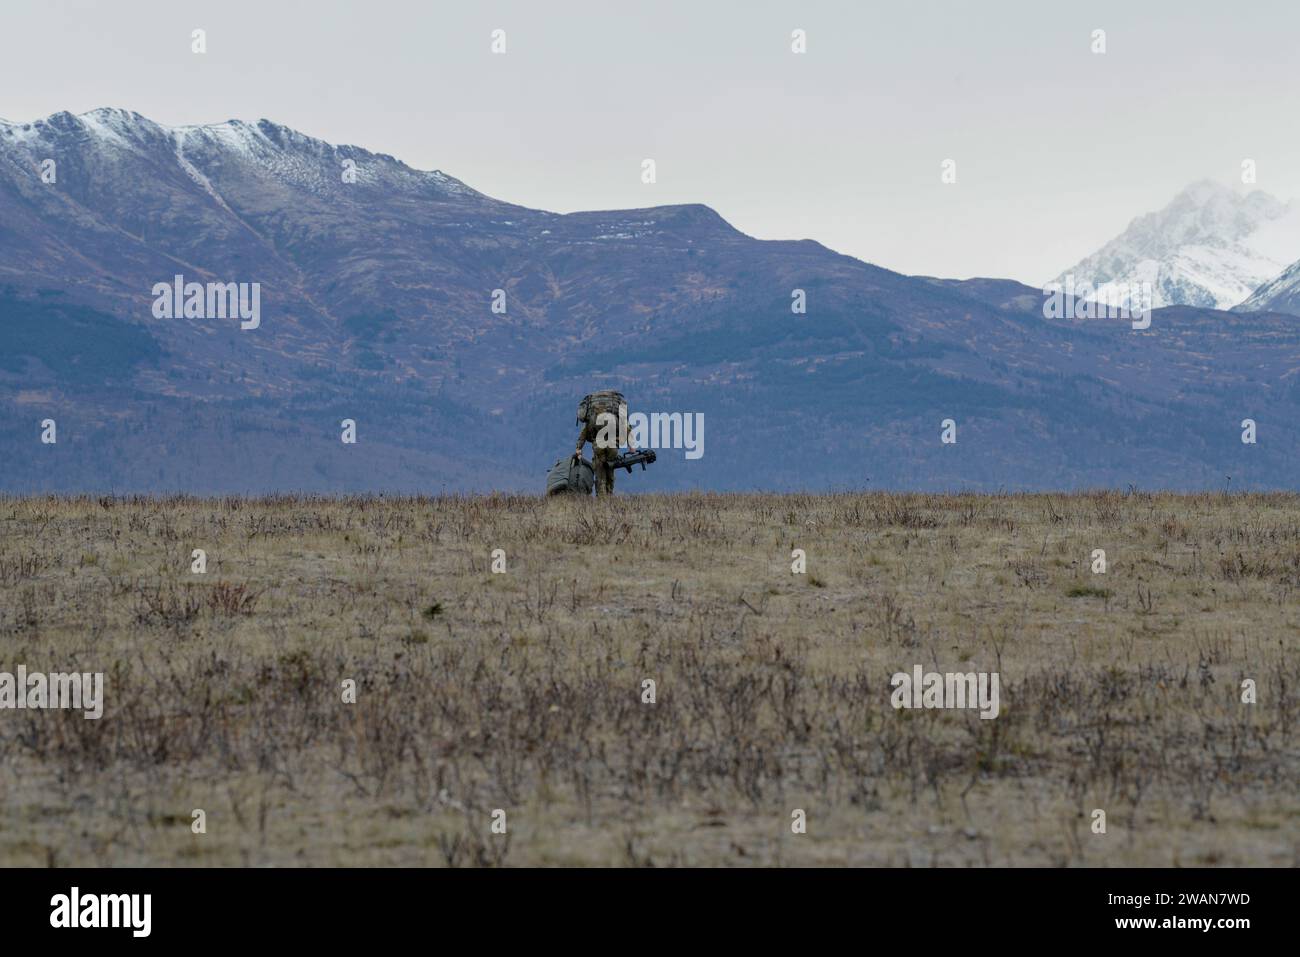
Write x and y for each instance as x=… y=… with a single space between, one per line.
x=522 y=690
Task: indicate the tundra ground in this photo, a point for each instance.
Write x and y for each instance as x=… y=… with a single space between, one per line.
x=523 y=691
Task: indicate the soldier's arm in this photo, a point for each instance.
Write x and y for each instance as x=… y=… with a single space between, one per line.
x=630 y=444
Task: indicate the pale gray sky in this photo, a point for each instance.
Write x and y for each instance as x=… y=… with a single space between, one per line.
x=1056 y=148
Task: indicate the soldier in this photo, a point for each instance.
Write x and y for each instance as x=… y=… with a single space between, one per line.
x=603 y=453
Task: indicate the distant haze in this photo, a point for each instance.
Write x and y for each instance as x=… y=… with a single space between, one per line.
x=1057 y=148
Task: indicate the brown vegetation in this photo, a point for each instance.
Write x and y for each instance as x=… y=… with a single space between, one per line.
x=523 y=691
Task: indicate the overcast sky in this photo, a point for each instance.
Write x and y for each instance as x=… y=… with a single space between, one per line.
x=1057 y=148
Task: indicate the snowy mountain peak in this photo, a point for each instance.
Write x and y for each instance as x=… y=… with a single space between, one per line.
x=1210 y=246
x=294 y=158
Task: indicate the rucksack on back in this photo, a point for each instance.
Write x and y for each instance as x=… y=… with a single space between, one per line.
x=607 y=400
x=570 y=476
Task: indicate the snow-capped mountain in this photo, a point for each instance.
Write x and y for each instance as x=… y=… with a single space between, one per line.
x=1279 y=294
x=108 y=133
x=378 y=287
x=1210 y=247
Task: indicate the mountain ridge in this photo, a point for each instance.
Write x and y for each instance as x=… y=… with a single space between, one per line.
x=378 y=305
x=1279 y=294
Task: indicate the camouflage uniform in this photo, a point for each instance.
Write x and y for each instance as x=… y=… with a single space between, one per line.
x=601 y=459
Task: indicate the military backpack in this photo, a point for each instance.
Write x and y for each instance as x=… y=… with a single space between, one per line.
x=591 y=406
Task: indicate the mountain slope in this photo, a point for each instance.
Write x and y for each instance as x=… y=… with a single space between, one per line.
x=377 y=305
x=1279 y=294
x=1209 y=247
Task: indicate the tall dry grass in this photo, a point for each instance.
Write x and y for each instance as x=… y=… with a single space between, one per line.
x=522 y=691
